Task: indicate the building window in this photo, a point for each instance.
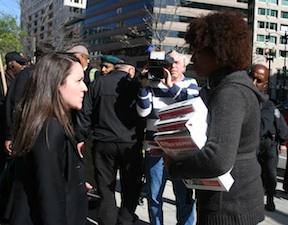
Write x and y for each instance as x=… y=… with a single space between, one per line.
x=261 y=11
x=266 y=38
x=282 y=53
x=283 y=27
x=269 y=1
x=259 y=51
x=261 y=24
x=271 y=26
x=260 y=38
x=283 y=40
x=267 y=25
x=271 y=39
x=284 y=2
x=267 y=12
x=284 y=15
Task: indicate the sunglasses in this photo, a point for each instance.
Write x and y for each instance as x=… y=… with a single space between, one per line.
x=258 y=80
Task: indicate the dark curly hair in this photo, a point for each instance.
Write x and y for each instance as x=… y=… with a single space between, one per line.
x=224 y=33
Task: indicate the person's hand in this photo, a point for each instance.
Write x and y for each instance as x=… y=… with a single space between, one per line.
x=167 y=161
x=81 y=148
x=8 y=147
x=154 y=149
x=156 y=152
x=167 y=80
x=143 y=80
x=282 y=148
x=88 y=186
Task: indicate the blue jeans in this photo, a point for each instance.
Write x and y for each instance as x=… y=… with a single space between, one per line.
x=156 y=177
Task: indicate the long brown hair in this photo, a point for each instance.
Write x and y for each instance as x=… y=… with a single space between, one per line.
x=42 y=101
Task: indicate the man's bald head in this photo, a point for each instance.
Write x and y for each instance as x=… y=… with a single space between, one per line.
x=260 y=75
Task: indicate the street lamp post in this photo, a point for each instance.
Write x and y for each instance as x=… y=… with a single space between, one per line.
x=270 y=55
x=284 y=68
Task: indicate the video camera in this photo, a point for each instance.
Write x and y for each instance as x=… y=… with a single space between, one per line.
x=158 y=60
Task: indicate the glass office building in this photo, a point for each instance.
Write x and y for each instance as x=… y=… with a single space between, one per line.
x=129 y=26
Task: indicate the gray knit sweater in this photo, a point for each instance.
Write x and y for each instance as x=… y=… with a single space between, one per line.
x=233 y=137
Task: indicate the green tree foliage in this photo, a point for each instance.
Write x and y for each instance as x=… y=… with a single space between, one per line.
x=10 y=34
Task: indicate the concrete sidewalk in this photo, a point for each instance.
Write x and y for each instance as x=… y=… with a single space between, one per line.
x=278 y=217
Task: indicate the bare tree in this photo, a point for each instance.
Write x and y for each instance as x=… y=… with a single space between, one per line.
x=159 y=22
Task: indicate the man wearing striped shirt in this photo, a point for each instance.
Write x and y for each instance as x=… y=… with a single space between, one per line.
x=153 y=95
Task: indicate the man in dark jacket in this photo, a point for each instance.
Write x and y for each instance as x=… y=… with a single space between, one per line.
x=109 y=110
x=15 y=91
x=15 y=64
x=274 y=133
x=108 y=63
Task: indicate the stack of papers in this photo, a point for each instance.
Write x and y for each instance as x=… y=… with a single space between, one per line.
x=220 y=183
x=181 y=129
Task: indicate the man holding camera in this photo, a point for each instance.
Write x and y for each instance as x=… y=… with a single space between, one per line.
x=157 y=91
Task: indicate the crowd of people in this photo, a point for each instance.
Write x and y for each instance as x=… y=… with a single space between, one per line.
x=67 y=130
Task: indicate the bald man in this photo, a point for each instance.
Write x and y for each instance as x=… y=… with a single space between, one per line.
x=274 y=133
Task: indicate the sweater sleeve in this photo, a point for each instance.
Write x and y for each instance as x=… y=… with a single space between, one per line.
x=187 y=90
x=223 y=137
x=144 y=102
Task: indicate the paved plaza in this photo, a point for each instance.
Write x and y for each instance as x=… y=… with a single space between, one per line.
x=278 y=217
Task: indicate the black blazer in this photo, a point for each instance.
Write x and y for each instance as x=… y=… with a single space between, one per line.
x=50 y=188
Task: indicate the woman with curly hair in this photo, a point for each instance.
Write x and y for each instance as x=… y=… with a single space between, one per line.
x=50 y=185
x=221 y=45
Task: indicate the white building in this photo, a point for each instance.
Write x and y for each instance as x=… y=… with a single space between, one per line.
x=269 y=19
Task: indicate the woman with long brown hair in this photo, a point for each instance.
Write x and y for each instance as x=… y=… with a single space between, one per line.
x=50 y=184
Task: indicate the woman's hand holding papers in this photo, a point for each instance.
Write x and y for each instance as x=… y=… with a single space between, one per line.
x=154 y=149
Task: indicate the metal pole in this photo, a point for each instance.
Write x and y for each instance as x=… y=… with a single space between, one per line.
x=285 y=69
x=3 y=77
x=269 y=68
